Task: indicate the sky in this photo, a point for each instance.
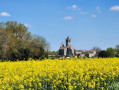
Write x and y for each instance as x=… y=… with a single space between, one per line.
x=88 y=23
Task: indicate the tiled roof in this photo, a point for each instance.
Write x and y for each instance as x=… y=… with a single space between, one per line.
x=79 y=51
x=65 y=47
x=89 y=51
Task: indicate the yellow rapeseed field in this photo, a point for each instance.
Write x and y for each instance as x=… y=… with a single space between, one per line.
x=69 y=74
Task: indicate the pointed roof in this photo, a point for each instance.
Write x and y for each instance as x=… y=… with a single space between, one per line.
x=62 y=45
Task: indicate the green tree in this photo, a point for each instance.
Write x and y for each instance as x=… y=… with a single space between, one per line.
x=5 y=42
x=110 y=52
x=54 y=52
x=38 y=47
x=16 y=42
x=19 y=36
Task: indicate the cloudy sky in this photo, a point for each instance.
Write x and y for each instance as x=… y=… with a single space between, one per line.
x=87 y=22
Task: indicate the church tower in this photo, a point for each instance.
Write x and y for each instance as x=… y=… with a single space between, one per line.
x=68 y=42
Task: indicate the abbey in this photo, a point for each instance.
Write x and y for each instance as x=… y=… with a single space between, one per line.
x=70 y=51
x=67 y=50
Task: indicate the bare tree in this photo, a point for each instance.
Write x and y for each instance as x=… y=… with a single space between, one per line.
x=97 y=49
x=117 y=47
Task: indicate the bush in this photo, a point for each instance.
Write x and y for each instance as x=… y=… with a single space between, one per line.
x=103 y=54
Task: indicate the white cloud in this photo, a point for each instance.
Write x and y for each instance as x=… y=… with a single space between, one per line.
x=83 y=12
x=5 y=14
x=98 y=9
x=68 y=18
x=27 y=25
x=74 y=7
x=93 y=15
x=114 y=8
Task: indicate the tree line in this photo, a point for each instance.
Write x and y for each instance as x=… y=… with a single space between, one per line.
x=109 y=52
x=17 y=43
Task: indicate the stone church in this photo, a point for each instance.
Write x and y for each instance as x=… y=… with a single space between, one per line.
x=67 y=50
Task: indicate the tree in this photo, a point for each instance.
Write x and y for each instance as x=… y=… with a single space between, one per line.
x=117 y=47
x=19 y=37
x=5 y=42
x=117 y=50
x=103 y=54
x=38 y=47
x=97 y=49
x=16 y=42
x=110 y=52
x=117 y=53
x=54 y=52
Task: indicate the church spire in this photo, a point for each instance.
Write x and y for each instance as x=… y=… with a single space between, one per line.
x=62 y=45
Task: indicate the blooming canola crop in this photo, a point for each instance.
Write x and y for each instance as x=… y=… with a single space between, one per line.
x=71 y=74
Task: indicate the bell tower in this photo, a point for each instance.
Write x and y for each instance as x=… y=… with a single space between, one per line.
x=68 y=41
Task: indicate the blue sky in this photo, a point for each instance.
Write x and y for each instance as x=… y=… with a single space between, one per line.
x=87 y=22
